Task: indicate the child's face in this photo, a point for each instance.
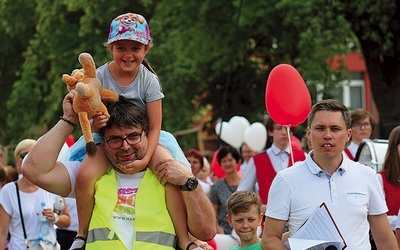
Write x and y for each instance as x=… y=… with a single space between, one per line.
x=128 y=55
x=245 y=225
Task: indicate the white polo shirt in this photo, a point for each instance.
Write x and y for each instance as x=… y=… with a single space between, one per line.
x=352 y=193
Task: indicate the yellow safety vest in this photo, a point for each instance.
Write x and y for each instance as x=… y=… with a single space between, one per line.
x=154 y=229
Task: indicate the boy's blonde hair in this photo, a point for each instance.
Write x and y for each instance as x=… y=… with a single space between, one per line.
x=242 y=201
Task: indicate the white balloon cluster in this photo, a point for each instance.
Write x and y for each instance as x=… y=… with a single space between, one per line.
x=238 y=131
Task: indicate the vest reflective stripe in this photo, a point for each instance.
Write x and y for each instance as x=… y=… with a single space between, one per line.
x=160 y=238
x=100 y=234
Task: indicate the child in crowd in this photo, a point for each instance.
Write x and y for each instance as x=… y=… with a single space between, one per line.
x=244 y=216
x=362 y=127
x=130 y=75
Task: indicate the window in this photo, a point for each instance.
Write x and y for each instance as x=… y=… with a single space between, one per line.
x=353 y=94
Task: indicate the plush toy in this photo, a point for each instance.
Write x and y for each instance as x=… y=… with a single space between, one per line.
x=89 y=96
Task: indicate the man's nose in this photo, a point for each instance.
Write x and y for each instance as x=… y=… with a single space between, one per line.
x=125 y=144
x=328 y=133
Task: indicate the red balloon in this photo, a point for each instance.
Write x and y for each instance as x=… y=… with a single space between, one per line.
x=287 y=99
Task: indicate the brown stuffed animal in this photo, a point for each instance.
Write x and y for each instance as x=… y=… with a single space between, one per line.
x=88 y=100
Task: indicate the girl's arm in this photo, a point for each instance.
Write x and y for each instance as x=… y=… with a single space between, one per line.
x=154 y=114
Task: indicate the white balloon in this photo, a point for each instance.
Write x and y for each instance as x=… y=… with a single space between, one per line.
x=240 y=123
x=229 y=135
x=255 y=136
x=218 y=128
x=232 y=132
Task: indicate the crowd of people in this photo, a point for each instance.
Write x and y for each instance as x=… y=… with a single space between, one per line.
x=141 y=191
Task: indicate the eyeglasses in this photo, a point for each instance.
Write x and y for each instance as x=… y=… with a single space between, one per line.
x=360 y=125
x=23 y=155
x=132 y=139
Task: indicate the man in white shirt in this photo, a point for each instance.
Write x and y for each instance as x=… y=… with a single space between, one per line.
x=349 y=189
x=42 y=167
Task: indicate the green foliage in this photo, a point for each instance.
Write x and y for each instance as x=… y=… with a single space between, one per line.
x=208 y=54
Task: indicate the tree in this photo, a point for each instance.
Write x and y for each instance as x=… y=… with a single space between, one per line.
x=235 y=57
x=14 y=39
x=377 y=27
x=206 y=58
x=54 y=35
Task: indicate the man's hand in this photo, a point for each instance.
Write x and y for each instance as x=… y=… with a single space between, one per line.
x=171 y=171
x=68 y=109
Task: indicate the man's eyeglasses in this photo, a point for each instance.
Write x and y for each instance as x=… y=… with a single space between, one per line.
x=132 y=139
x=23 y=155
x=360 y=125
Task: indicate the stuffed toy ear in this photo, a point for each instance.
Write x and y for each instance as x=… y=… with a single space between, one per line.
x=73 y=79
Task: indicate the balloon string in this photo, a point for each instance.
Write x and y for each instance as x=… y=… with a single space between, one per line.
x=290 y=142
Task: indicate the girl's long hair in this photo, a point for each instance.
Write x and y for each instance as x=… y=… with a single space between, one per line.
x=391 y=165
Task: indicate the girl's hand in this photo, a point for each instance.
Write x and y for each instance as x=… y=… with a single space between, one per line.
x=99 y=121
x=133 y=167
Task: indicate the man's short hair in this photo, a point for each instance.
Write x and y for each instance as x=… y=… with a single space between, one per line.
x=242 y=201
x=125 y=114
x=330 y=105
x=269 y=124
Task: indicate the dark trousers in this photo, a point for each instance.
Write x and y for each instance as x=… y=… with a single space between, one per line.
x=65 y=238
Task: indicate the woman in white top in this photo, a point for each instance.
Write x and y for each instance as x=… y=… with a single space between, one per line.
x=31 y=197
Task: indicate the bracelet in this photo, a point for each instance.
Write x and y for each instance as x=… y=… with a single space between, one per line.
x=68 y=121
x=56 y=218
x=190 y=244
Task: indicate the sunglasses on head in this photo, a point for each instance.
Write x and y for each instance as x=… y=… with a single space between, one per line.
x=23 y=155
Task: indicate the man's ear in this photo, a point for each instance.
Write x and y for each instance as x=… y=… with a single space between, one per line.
x=349 y=132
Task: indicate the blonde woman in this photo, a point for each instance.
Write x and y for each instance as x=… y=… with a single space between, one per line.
x=31 y=199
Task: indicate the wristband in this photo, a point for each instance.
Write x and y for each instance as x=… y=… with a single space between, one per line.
x=56 y=218
x=190 y=244
x=68 y=121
